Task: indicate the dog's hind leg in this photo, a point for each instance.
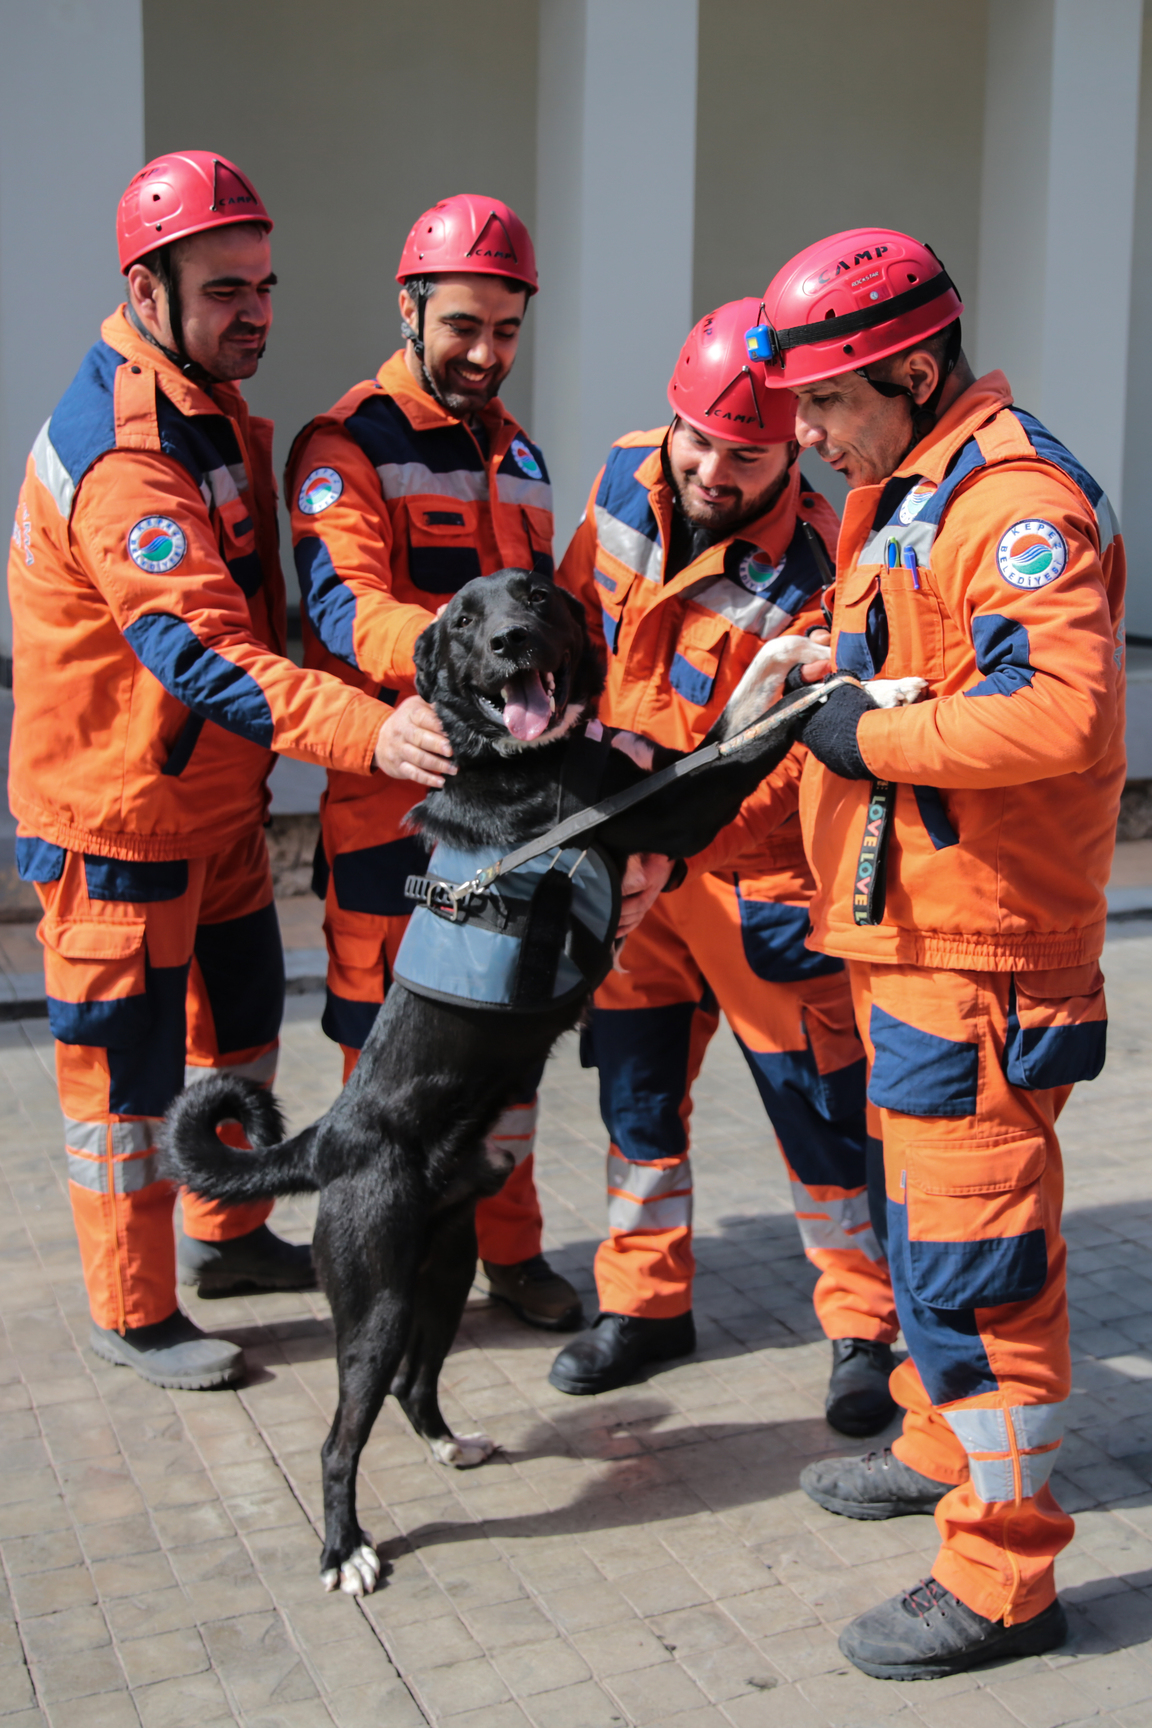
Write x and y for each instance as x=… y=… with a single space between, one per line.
x=445 y=1278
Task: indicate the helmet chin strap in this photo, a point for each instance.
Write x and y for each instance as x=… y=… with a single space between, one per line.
x=179 y=356
x=924 y=414
x=416 y=337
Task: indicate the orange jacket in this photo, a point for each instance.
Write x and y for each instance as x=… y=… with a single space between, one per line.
x=1009 y=777
x=676 y=650
x=395 y=506
x=148 y=619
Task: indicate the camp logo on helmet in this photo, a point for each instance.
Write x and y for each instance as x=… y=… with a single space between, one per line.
x=1031 y=553
x=525 y=460
x=916 y=500
x=756 y=570
x=322 y=487
x=157 y=544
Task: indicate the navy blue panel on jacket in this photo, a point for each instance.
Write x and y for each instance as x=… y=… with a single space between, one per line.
x=329 y=604
x=200 y=678
x=387 y=437
x=1003 y=654
x=83 y=425
x=621 y=494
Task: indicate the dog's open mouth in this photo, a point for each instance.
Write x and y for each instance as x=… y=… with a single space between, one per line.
x=529 y=702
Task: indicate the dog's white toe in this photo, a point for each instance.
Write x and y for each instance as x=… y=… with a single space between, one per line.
x=463 y=1451
x=360 y=1573
x=330 y=1578
x=896 y=692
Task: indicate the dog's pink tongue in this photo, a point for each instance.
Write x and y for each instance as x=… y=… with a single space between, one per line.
x=527 y=709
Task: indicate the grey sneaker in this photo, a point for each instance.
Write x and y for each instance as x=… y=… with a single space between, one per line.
x=877 y=1485
x=257 y=1261
x=928 y=1633
x=172 y=1352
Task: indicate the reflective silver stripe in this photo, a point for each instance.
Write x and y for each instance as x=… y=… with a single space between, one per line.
x=129 y=1175
x=261 y=1069
x=515 y=1129
x=629 y=545
x=985 y=1431
x=921 y=536
x=648 y=1196
x=837 y=1224
x=759 y=617
x=51 y=472
x=672 y=1213
x=1107 y=522
x=221 y=485
x=91 y=1138
x=403 y=479
x=515 y=489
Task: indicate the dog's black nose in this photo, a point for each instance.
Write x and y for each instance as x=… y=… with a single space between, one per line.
x=508 y=640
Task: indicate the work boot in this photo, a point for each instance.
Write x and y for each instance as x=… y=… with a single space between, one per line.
x=257 y=1261
x=877 y=1485
x=616 y=1347
x=535 y=1294
x=859 y=1402
x=928 y=1633
x=172 y=1352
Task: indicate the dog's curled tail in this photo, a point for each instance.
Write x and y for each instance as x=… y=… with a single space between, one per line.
x=194 y=1154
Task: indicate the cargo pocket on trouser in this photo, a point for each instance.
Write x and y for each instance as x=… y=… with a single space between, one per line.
x=358 y=976
x=118 y=1054
x=975 y=1222
x=1055 y=1039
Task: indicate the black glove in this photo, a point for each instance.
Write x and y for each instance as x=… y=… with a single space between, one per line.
x=829 y=731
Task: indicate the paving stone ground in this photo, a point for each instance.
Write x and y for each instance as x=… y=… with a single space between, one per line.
x=639 y=1558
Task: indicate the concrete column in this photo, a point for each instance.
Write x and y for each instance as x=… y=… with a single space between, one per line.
x=1057 y=216
x=614 y=226
x=71 y=137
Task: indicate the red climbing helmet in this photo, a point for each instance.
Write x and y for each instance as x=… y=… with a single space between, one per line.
x=181 y=194
x=717 y=390
x=469 y=235
x=847 y=301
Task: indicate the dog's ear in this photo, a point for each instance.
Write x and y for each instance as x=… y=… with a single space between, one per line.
x=426 y=655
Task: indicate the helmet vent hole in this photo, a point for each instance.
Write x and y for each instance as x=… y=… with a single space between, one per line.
x=848 y=348
x=829 y=314
x=912 y=278
x=155 y=197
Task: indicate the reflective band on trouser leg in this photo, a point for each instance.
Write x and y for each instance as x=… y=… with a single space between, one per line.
x=509 y=1225
x=122 y=1209
x=974 y=1186
x=647 y=1265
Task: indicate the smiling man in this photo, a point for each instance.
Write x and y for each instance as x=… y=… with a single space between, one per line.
x=960 y=848
x=702 y=541
x=414 y=482
x=151 y=691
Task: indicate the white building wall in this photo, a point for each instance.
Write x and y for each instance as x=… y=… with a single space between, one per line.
x=615 y=197
x=71 y=137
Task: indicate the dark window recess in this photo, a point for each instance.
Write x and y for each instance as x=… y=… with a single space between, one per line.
x=444 y=518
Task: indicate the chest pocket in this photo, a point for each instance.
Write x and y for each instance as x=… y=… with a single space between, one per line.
x=442 y=537
x=915 y=625
x=861 y=624
x=237 y=533
x=699 y=651
x=612 y=586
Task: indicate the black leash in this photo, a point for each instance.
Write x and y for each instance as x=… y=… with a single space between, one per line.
x=594 y=814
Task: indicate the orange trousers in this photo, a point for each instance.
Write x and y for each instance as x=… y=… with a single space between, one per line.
x=716 y=944
x=969 y=1072
x=364 y=921
x=156 y=973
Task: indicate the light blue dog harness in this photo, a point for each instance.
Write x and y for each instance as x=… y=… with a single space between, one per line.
x=540 y=938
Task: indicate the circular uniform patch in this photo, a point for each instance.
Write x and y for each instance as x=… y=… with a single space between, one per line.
x=756 y=570
x=1031 y=553
x=322 y=487
x=525 y=460
x=157 y=544
x=915 y=501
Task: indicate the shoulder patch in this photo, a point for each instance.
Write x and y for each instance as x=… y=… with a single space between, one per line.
x=157 y=544
x=525 y=460
x=1031 y=553
x=755 y=571
x=322 y=488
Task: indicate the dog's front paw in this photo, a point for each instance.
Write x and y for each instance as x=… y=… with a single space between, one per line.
x=463 y=1451
x=896 y=692
x=359 y=1574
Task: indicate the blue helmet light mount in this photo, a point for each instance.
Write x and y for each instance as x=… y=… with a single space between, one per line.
x=760 y=342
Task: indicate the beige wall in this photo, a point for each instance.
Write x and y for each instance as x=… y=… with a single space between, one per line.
x=351 y=119
x=875 y=115
x=1137 y=520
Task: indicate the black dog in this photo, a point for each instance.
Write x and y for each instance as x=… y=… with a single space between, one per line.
x=401 y=1157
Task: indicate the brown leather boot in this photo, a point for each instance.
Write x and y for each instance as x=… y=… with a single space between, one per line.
x=535 y=1294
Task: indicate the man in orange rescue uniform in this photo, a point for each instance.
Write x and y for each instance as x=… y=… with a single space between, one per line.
x=151 y=690
x=960 y=848
x=701 y=542
x=416 y=481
